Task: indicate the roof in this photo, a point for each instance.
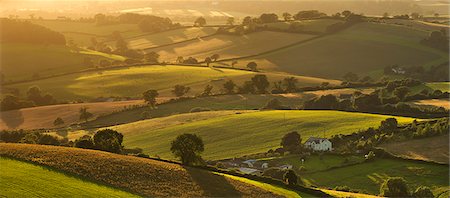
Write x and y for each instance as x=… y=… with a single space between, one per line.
x=316 y=139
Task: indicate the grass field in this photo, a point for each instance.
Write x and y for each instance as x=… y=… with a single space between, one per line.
x=368 y=176
x=146 y=177
x=241 y=134
x=443 y=86
x=133 y=81
x=19 y=179
x=316 y=25
x=434 y=102
x=43 y=116
x=22 y=61
x=230 y=46
x=365 y=48
x=430 y=149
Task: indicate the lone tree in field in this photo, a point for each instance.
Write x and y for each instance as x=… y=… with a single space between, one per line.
x=58 y=121
x=150 y=97
x=151 y=57
x=287 y=16
x=180 y=90
x=252 y=66
x=401 y=92
x=261 y=83
x=394 y=187
x=208 y=61
x=108 y=140
x=290 y=177
x=85 y=114
x=188 y=148
x=291 y=142
x=229 y=87
x=215 y=57
x=200 y=21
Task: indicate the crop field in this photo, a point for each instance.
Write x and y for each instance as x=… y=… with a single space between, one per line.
x=316 y=25
x=365 y=48
x=146 y=177
x=430 y=149
x=133 y=81
x=246 y=133
x=43 y=116
x=368 y=176
x=45 y=60
x=230 y=46
x=19 y=179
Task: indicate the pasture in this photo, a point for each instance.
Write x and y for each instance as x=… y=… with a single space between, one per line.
x=368 y=176
x=133 y=81
x=230 y=46
x=19 y=179
x=23 y=61
x=365 y=48
x=429 y=149
x=315 y=25
x=247 y=133
x=146 y=177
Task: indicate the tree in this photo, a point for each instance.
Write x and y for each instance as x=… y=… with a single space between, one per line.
x=350 y=77
x=207 y=90
x=273 y=104
x=208 y=61
x=150 y=97
x=290 y=83
x=85 y=114
x=247 y=88
x=200 y=21
x=401 y=92
x=389 y=124
x=180 y=59
x=261 y=83
x=287 y=16
x=84 y=142
x=215 y=57
x=108 y=140
x=188 y=148
x=48 y=140
x=385 y=15
x=394 y=187
x=152 y=57
x=252 y=66
x=230 y=21
x=423 y=191
x=290 y=177
x=291 y=141
x=58 y=121
x=268 y=18
x=229 y=87
x=346 y=13
x=180 y=90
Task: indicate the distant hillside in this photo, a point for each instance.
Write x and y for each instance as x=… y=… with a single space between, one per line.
x=142 y=176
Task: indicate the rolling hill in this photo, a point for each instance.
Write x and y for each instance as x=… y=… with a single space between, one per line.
x=145 y=177
x=365 y=48
x=315 y=25
x=26 y=179
x=246 y=133
x=133 y=81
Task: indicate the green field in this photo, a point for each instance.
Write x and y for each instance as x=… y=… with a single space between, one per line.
x=22 y=61
x=316 y=25
x=247 y=133
x=443 y=86
x=21 y=179
x=365 y=48
x=368 y=176
x=133 y=81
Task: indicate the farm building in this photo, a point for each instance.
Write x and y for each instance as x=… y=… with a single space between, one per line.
x=318 y=144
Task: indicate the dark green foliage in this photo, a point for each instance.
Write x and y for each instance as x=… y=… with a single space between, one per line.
x=199 y=109
x=188 y=148
x=268 y=18
x=12 y=136
x=389 y=125
x=150 y=97
x=180 y=90
x=261 y=83
x=30 y=138
x=35 y=95
x=308 y=14
x=58 y=121
x=10 y=102
x=423 y=192
x=151 y=57
x=323 y=102
x=401 y=92
x=275 y=173
x=84 y=142
x=200 y=21
x=291 y=141
x=229 y=87
x=85 y=114
x=274 y=104
x=108 y=140
x=437 y=39
x=394 y=187
x=290 y=84
x=48 y=140
x=252 y=66
x=247 y=88
x=290 y=177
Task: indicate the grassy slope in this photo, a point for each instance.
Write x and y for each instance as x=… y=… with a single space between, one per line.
x=240 y=134
x=22 y=61
x=43 y=116
x=133 y=81
x=20 y=179
x=443 y=86
x=316 y=25
x=230 y=46
x=432 y=149
x=146 y=177
x=368 y=176
x=364 y=48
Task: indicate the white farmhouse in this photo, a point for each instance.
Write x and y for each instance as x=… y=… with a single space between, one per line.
x=318 y=144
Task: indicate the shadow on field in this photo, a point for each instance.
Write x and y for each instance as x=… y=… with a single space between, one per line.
x=212 y=185
x=12 y=119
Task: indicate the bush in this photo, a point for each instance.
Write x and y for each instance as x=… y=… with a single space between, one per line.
x=394 y=187
x=108 y=140
x=291 y=178
x=48 y=140
x=423 y=191
x=84 y=142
